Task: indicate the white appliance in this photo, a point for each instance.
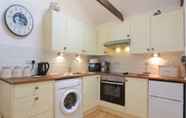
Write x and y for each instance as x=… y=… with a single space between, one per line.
x=166 y=100
x=68 y=102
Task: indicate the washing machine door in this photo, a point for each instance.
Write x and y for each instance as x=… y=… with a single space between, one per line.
x=70 y=101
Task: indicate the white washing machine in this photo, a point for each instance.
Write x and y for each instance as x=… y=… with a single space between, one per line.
x=68 y=102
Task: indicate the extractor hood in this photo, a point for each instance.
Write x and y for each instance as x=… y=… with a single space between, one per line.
x=124 y=42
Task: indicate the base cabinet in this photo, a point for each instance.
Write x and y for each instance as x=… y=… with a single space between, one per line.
x=90 y=92
x=166 y=99
x=137 y=97
x=27 y=100
x=136 y=94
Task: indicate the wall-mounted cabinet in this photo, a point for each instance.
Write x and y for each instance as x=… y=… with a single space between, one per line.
x=140 y=34
x=121 y=31
x=104 y=34
x=55 y=31
x=166 y=32
x=161 y=33
x=65 y=32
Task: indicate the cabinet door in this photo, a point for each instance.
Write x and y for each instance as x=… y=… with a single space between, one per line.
x=167 y=32
x=22 y=108
x=58 y=30
x=89 y=43
x=75 y=35
x=90 y=92
x=104 y=34
x=162 y=108
x=139 y=34
x=137 y=97
x=121 y=31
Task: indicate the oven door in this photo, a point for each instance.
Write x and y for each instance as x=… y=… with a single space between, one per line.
x=113 y=92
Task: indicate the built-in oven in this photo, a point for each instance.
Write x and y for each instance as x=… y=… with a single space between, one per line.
x=112 y=89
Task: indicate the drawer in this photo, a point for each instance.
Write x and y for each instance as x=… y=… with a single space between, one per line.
x=27 y=90
x=166 y=90
x=22 y=108
x=42 y=102
x=163 y=108
x=32 y=105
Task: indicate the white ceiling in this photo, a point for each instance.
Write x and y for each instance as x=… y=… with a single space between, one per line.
x=100 y=15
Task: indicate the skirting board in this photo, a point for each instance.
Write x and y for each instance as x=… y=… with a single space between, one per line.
x=105 y=109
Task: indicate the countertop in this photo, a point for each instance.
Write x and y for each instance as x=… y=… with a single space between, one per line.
x=24 y=80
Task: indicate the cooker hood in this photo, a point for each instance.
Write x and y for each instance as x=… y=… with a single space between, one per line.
x=124 y=42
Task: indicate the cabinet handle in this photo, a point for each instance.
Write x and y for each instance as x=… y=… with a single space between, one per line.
x=128 y=35
x=36 y=98
x=36 y=88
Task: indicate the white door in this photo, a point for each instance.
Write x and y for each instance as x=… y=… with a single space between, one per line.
x=139 y=34
x=89 y=41
x=163 y=108
x=121 y=31
x=74 y=35
x=58 y=30
x=104 y=34
x=167 y=32
x=90 y=92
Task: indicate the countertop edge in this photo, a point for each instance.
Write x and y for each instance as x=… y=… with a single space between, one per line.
x=27 y=80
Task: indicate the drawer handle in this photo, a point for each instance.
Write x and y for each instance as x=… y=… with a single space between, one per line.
x=36 y=98
x=36 y=88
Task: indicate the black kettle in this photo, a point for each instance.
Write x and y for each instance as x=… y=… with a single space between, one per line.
x=43 y=68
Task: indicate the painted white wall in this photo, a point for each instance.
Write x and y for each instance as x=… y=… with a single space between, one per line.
x=19 y=51
x=14 y=50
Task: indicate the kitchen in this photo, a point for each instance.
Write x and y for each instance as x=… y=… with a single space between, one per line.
x=100 y=64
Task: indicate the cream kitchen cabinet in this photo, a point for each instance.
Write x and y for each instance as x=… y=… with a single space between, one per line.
x=90 y=92
x=75 y=34
x=104 y=34
x=65 y=33
x=140 y=38
x=55 y=31
x=161 y=33
x=121 y=30
x=81 y=37
x=33 y=100
x=89 y=40
x=137 y=97
x=166 y=32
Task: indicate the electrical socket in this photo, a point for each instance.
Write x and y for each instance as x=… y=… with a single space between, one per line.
x=31 y=62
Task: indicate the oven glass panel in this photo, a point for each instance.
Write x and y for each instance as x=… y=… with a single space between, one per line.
x=113 y=93
x=112 y=90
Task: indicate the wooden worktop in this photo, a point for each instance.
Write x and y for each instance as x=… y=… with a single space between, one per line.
x=33 y=79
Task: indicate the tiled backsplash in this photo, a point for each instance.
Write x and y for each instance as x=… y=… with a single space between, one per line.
x=137 y=63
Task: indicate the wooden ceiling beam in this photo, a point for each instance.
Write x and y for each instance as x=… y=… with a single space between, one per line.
x=112 y=9
x=181 y=3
